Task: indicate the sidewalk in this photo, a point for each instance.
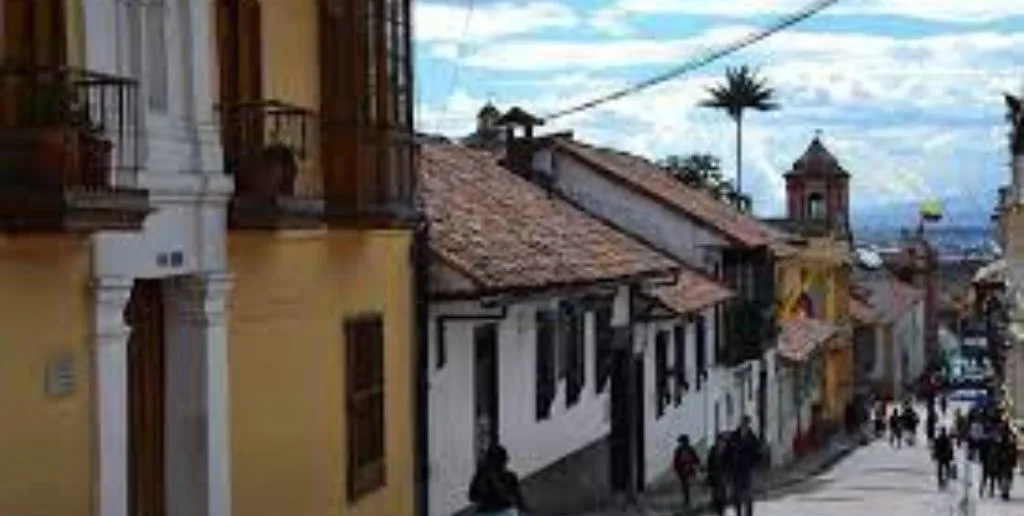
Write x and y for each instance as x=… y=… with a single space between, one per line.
x=664 y=497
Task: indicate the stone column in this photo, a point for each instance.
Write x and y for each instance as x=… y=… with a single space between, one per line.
x=110 y=363
x=199 y=452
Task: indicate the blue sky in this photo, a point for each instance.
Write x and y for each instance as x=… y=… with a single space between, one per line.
x=907 y=93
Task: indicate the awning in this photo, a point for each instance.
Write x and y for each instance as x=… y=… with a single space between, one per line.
x=801 y=336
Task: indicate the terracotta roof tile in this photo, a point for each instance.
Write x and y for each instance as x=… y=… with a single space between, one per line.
x=801 y=336
x=690 y=293
x=652 y=181
x=507 y=233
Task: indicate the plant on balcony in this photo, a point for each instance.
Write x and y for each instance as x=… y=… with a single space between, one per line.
x=270 y=173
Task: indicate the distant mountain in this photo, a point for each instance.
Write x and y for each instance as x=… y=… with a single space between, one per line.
x=964 y=211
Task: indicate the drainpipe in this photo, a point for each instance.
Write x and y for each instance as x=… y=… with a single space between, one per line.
x=420 y=385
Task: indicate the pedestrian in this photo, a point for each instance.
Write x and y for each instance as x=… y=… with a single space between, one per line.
x=494 y=489
x=686 y=463
x=744 y=456
x=975 y=437
x=879 y=419
x=1007 y=462
x=716 y=472
x=942 y=453
x=960 y=422
x=989 y=452
x=910 y=421
x=944 y=402
x=895 y=429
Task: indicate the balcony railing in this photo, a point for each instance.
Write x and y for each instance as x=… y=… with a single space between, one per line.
x=69 y=142
x=267 y=149
x=63 y=128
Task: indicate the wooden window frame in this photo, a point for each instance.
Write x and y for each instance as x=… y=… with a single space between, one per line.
x=365 y=392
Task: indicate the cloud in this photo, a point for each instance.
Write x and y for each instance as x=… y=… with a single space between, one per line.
x=454 y=23
x=955 y=11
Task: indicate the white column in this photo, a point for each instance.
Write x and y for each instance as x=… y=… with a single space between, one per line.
x=111 y=365
x=203 y=307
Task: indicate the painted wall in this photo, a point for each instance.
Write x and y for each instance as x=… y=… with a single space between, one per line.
x=693 y=415
x=292 y=292
x=46 y=442
x=532 y=445
x=668 y=230
x=908 y=334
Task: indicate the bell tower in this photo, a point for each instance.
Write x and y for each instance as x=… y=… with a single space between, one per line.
x=818 y=190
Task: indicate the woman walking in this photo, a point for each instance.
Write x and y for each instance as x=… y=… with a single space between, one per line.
x=495 y=489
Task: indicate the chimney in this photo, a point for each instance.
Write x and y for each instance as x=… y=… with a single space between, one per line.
x=519 y=140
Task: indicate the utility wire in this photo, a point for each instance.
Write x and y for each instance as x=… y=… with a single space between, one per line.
x=459 y=50
x=710 y=57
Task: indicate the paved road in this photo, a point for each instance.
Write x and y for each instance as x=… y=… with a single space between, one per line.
x=879 y=479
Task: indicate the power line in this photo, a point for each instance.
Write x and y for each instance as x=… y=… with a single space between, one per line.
x=459 y=50
x=704 y=60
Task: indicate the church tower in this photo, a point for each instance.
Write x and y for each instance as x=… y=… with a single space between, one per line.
x=818 y=190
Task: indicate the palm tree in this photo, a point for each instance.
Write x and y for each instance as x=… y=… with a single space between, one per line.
x=742 y=90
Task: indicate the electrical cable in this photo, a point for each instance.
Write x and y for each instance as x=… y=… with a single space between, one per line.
x=459 y=50
x=712 y=56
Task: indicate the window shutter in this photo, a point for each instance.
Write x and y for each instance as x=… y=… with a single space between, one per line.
x=364 y=342
x=661 y=372
x=603 y=335
x=545 y=381
x=701 y=353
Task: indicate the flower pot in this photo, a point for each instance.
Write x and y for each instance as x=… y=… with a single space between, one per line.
x=53 y=158
x=270 y=173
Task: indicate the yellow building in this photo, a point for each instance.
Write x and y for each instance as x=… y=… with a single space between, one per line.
x=318 y=138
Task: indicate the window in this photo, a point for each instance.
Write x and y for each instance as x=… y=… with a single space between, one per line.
x=701 y=350
x=441 y=346
x=364 y=341
x=680 y=362
x=573 y=344
x=815 y=206
x=156 y=55
x=604 y=336
x=661 y=373
x=545 y=381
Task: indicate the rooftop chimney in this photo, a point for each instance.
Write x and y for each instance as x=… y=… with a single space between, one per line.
x=519 y=142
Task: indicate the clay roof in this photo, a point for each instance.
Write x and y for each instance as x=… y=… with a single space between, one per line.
x=690 y=293
x=817 y=160
x=802 y=335
x=506 y=233
x=650 y=180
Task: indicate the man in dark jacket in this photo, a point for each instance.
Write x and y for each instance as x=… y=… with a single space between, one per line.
x=744 y=457
x=942 y=452
x=717 y=470
x=494 y=488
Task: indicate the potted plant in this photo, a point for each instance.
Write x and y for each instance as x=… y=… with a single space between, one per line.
x=95 y=151
x=51 y=151
x=269 y=173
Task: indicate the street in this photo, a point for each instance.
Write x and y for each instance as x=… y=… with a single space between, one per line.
x=881 y=479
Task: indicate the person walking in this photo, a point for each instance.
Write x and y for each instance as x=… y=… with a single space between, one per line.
x=686 y=463
x=988 y=450
x=716 y=471
x=975 y=437
x=1007 y=462
x=931 y=421
x=942 y=453
x=910 y=421
x=744 y=457
x=879 y=419
x=895 y=429
x=944 y=402
x=494 y=489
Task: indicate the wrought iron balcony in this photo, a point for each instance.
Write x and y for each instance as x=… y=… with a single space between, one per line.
x=69 y=147
x=267 y=150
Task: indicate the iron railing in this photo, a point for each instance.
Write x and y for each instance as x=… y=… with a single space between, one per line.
x=266 y=145
x=66 y=127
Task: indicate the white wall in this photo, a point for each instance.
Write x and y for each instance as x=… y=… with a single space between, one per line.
x=532 y=444
x=693 y=416
x=908 y=334
x=667 y=229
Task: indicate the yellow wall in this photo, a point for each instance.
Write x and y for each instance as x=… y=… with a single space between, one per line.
x=45 y=442
x=292 y=293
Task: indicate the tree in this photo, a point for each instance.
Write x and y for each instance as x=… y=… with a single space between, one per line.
x=693 y=170
x=742 y=90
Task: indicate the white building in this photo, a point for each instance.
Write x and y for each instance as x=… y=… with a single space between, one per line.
x=172 y=270
x=896 y=355
x=525 y=327
x=638 y=198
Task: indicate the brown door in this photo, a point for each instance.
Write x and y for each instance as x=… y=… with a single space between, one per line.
x=240 y=53
x=146 y=383
x=32 y=35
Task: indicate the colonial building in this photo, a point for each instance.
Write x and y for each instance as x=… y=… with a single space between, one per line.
x=317 y=137
x=112 y=207
x=817 y=200
x=889 y=333
x=538 y=314
x=639 y=198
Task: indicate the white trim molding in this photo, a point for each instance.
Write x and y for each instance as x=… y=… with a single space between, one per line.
x=110 y=358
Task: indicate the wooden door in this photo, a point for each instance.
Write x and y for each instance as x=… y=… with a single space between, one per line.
x=32 y=36
x=146 y=395
x=240 y=55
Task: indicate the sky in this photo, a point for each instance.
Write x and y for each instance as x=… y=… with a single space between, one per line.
x=906 y=93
